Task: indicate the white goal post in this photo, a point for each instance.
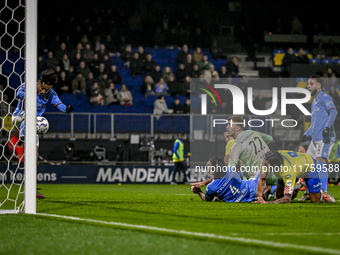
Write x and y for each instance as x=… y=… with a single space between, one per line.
x=31 y=105
x=18 y=60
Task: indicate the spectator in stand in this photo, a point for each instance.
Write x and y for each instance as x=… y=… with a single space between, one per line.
x=78 y=84
x=104 y=81
x=204 y=64
x=260 y=102
x=329 y=78
x=243 y=84
x=297 y=27
x=157 y=73
x=125 y=96
x=287 y=62
x=302 y=57
x=136 y=65
x=211 y=73
x=102 y=51
x=41 y=64
x=96 y=97
x=100 y=71
x=177 y=107
x=83 y=69
x=110 y=44
x=181 y=73
x=148 y=86
x=142 y=54
x=65 y=62
x=88 y=53
x=160 y=107
x=335 y=96
x=64 y=84
x=71 y=74
x=195 y=72
x=94 y=64
x=84 y=40
x=185 y=86
x=90 y=79
x=174 y=87
x=107 y=61
x=51 y=62
x=167 y=73
x=127 y=54
x=149 y=64
x=197 y=56
x=161 y=87
x=77 y=59
x=57 y=70
x=186 y=106
x=227 y=100
x=215 y=50
x=97 y=43
x=114 y=75
x=232 y=67
x=222 y=73
x=189 y=64
x=332 y=51
x=111 y=95
x=78 y=49
x=182 y=55
x=319 y=52
x=61 y=52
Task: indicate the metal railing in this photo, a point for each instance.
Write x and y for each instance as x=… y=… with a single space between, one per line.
x=151 y=124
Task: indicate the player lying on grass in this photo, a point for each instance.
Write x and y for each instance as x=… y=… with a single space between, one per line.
x=45 y=95
x=227 y=184
x=289 y=166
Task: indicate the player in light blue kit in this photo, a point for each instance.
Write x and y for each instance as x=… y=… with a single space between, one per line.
x=227 y=184
x=321 y=131
x=45 y=95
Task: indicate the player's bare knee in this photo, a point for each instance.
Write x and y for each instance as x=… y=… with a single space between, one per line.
x=315 y=197
x=321 y=159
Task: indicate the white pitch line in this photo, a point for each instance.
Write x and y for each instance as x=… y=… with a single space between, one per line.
x=198 y=234
x=288 y=234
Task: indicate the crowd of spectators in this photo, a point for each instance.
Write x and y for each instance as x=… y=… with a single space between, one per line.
x=89 y=69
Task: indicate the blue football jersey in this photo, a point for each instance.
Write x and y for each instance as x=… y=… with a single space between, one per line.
x=321 y=106
x=231 y=188
x=50 y=97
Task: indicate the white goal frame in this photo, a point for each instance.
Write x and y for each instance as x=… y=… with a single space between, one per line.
x=31 y=34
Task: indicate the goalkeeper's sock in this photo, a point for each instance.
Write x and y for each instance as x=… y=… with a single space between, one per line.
x=323 y=174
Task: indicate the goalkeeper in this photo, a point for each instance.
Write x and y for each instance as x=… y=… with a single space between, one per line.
x=45 y=95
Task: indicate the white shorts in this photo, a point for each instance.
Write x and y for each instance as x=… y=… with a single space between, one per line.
x=320 y=149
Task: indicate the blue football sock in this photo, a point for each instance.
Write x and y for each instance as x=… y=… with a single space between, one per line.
x=273 y=189
x=321 y=167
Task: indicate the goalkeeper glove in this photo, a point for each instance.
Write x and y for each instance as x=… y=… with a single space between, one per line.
x=69 y=108
x=325 y=132
x=303 y=138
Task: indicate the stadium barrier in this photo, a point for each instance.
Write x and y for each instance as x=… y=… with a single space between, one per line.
x=104 y=174
x=95 y=124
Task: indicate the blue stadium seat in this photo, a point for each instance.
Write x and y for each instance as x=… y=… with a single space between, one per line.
x=314 y=61
x=151 y=99
x=326 y=61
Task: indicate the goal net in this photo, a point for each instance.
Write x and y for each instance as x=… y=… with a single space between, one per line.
x=13 y=44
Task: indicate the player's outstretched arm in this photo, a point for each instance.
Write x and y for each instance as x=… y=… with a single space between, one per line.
x=198 y=191
x=203 y=183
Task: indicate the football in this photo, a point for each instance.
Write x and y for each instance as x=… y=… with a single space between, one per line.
x=42 y=125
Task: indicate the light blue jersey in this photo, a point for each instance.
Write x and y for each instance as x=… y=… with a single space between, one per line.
x=231 y=188
x=323 y=115
x=50 y=97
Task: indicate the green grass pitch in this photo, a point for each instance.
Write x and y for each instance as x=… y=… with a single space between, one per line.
x=297 y=226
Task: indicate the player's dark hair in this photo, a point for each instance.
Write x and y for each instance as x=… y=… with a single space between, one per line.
x=49 y=77
x=237 y=119
x=274 y=158
x=318 y=79
x=215 y=161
